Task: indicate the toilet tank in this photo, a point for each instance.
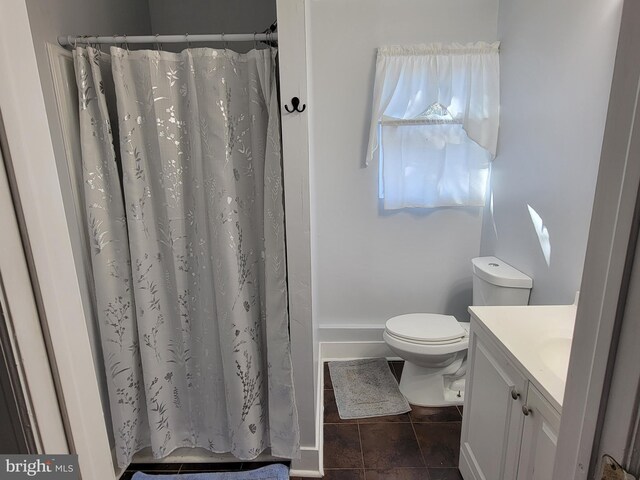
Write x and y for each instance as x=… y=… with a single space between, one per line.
x=497 y=283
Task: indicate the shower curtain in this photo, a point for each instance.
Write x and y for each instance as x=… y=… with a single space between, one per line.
x=187 y=239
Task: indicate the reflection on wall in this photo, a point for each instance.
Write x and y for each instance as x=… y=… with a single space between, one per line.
x=543 y=234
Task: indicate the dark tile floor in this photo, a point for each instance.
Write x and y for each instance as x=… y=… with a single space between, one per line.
x=422 y=444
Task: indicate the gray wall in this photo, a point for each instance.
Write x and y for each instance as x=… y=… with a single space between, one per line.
x=371 y=265
x=212 y=16
x=48 y=20
x=556 y=69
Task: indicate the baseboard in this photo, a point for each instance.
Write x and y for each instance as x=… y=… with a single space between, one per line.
x=355 y=350
x=352 y=341
x=350 y=333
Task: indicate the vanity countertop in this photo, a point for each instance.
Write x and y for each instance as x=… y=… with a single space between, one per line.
x=538 y=338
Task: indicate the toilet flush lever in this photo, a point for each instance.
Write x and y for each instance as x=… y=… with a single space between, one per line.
x=514 y=394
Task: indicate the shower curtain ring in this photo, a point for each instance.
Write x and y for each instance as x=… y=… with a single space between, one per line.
x=157 y=42
x=126 y=44
x=188 y=42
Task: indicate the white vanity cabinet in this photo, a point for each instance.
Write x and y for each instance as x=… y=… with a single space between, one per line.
x=509 y=429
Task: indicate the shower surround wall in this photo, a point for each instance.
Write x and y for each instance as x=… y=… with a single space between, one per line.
x=556 y=62
x=206 y=16
x=369 y=265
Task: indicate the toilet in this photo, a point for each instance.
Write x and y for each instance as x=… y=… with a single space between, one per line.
x=434 y=346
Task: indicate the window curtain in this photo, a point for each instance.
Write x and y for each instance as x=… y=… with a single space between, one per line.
x=188 y=250
x=434 y=123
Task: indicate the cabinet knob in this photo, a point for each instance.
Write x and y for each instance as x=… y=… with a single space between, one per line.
x=514 y=394
x=526 y=410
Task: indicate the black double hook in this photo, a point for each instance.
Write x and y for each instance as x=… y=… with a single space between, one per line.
x=295 y=103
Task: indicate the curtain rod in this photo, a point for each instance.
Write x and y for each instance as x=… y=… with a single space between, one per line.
x=71 y=40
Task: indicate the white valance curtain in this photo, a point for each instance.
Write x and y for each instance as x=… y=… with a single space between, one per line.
x=435 y=122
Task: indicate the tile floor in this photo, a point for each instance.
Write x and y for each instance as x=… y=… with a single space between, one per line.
x=422 y=444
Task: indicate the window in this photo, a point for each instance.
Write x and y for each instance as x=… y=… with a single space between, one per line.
x=435 y=124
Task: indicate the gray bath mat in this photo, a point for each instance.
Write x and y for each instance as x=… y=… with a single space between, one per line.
x=366 y=388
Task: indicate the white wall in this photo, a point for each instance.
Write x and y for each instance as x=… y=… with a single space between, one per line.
x=556 y=69
x=371 y=265
x=212 y=16
x=48 y=19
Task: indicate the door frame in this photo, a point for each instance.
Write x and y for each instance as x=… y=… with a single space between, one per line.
x=619 y=424
x=608 y=265
x=617 y=432
x=32 y=379
x=53 y=274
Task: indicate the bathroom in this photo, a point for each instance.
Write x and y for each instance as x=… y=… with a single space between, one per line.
x=352 y=265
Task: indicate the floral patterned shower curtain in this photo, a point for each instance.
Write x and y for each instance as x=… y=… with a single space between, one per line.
x=187 y=233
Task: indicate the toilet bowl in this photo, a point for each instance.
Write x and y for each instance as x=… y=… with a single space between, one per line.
x=434 y=348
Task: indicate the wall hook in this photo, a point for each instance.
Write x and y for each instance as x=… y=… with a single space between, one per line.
x=295 y=102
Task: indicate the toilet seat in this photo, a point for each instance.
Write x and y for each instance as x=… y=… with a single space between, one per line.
x=430 y=349
x=423 y=342
x=426 y=329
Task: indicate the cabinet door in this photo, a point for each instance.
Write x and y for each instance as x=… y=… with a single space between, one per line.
x=539 y=438
x=493 y=419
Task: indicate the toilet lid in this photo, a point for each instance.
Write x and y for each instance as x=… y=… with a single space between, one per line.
x=420 y=327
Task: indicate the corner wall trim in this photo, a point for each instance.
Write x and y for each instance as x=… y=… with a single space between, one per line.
x=310 y=463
